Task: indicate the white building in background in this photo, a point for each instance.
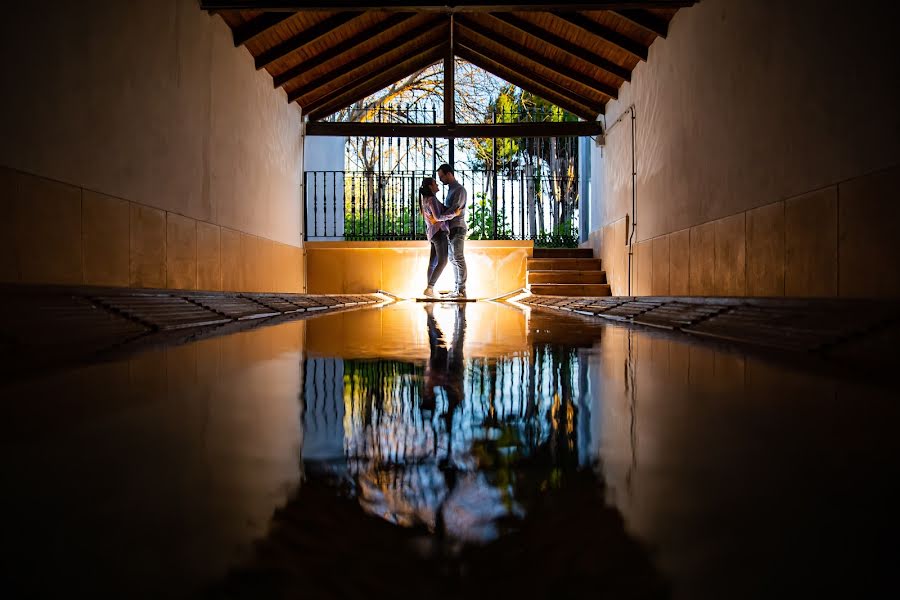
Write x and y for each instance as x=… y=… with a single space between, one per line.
x=323 y=167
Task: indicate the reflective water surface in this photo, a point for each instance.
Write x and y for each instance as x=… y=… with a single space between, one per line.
x=450 y=450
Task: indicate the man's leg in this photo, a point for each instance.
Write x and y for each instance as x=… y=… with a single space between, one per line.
x=457 y=257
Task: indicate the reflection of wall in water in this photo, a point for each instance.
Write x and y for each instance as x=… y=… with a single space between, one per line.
x=323 y=417
x=728 y=465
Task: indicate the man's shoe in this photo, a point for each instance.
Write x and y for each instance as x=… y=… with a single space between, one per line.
x=429 y=292
x=456 y=294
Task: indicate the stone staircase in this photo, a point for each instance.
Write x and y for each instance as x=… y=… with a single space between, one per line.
x=566 y=272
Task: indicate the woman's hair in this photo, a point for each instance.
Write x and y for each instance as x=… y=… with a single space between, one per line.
x=425 y=189
x=425 y=192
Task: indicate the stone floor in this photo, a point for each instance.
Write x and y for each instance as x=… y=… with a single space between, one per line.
x=857 y=332
x=45 y=327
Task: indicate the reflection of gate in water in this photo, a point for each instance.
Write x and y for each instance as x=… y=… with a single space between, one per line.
x=452 y=462
x=371 y=413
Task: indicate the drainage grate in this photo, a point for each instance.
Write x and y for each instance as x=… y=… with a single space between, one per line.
x=598 y=306
x=41 y=320
x=804 y=328
x=309 y=303
x=161 y=311
x=629 y=310
x=233 y=307
x=276 y=303
x=676 y=315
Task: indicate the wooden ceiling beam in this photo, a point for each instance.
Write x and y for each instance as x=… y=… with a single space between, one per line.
x=475 y=130
x=530 y=82
x=522 y=71
x=647 y=21
x=450 y=82
x=606 y=34
x=529 y=55
x=264 y=22
x=411 y=5
x=551 y=39
x=347 y=45
x=361 y=62
x=307 y=36
x=362 y=89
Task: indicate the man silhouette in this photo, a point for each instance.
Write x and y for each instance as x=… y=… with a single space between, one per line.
x=456 y=200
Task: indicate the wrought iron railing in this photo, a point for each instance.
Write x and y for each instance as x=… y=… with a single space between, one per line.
x=509 y=205
x=431 y=112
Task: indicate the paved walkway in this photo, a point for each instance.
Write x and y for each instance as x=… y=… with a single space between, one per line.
x=45 y=327
x=857 y=331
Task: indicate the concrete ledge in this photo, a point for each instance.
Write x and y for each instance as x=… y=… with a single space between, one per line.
x=415 y=244
x=855 y=331
x=43 y=328
x=400 y=267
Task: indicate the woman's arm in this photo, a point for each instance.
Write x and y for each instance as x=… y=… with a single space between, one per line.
x=436 y=214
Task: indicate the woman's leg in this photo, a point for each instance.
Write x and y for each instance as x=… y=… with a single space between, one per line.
x=432 y=263
x=438 y=259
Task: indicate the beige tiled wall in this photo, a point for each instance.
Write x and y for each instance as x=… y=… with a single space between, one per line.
x=868 y=240
x=765 y=250
x=680 y=262
x=61 y=234
x=105 y=234
x=810 y=244
x=841 y=240
x=703 y=259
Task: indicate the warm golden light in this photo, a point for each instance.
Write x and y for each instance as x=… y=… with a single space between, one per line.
x=494 y=268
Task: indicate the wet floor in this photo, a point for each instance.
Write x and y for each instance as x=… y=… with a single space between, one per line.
x=454 y=451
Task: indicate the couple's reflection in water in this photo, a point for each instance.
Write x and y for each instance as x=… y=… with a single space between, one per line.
x=470 y=504
x=453 y=477
x=425 y=471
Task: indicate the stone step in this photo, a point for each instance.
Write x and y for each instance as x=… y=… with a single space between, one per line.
x=570 y=289
x=563 y=253
x=563 y=264
x=566 y=277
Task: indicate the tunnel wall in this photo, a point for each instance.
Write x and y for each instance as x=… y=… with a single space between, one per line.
x=767 y=154
x=140 y=148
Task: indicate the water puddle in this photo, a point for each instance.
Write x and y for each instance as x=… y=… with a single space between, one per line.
x=450 y=450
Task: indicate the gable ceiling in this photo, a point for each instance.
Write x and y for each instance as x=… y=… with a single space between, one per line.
x=326 y=58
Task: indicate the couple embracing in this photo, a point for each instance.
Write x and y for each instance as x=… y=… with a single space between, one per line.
x=446 y=229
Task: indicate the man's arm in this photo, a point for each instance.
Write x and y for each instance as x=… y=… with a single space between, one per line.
x=459 y=200
x=445 y=216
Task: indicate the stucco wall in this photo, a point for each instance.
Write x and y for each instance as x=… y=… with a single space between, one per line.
x=768 y=145
x=117 y=114
x=494 y=267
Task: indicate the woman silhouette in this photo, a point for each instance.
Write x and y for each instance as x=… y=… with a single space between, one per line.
x=436 y=230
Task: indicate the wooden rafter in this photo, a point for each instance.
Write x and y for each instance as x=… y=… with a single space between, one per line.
x=560 y=91
x=569 y=54
x=337 y=50
x=450 y=79
x=365 y=88
x=410 y=5
x=529 y=81
x=307 y=36
x=528 y=55
x=258 y=26
x=485 y=130
x=645 y=20
x=361 y=62
x=609 y=36
x=551 y=39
